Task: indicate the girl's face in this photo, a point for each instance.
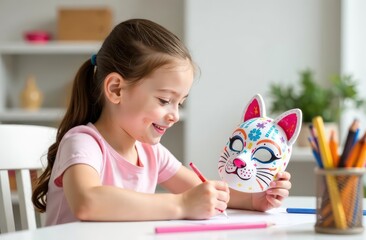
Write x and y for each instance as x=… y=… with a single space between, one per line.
x=152 y=106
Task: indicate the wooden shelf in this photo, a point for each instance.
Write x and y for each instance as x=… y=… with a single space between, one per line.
x=53 y=47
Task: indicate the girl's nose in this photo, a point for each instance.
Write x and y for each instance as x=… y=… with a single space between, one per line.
x=173 y=115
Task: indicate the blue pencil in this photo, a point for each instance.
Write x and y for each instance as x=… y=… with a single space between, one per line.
x=308 y=211
x=357 y=133
x=316 y=154
x=301 y=210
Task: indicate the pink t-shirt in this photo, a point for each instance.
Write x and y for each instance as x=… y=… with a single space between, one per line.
x=85 y=145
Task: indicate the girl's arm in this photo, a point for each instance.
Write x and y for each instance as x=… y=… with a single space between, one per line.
x=262 y=201
x=91 y=201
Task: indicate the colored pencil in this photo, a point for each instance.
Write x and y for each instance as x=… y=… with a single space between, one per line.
x=335 y=200
x=353 y=155
x=356 y=157
x=349 y=190
x=314 y=136
x=301 y=210
x=308 y=211
x=361 y=159
x=198 y=173
x=356 y=136
x=324 y=150
x=349 y=142
x=333 y=146
x=211 y=227
x=315 y=152
x=339 y=207
x=203 y=179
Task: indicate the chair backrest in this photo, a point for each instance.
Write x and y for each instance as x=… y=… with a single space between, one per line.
x=22 y=148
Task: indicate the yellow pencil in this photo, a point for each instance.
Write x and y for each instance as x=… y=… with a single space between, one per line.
x=323 y=146
x=326 y=156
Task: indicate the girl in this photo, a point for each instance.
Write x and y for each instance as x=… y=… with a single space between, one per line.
x=107 y=159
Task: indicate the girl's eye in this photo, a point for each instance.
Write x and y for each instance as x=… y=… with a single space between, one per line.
x=163 y=101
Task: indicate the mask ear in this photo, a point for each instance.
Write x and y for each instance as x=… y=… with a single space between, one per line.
x=255 y=108
x=290 y=121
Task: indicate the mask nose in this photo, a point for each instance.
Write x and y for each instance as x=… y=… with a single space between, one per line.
x=239 y=163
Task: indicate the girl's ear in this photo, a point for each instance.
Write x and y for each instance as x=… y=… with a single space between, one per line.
x=113 y=86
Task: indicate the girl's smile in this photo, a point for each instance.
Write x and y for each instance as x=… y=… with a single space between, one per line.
x=160 y=129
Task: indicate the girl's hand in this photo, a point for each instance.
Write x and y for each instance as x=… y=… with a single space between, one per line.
x=273 y=197
x=205 y=200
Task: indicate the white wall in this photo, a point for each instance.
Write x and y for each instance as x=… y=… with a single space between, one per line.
x=243 y=45
x=353 y=54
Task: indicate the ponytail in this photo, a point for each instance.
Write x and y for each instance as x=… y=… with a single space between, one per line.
x=85 y=106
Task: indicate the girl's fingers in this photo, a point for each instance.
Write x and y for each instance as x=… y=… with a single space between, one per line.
x=278 y=192
x=280 y=184
x=286 y=184
x=223 y=196
x=274 y=201
x=221 y=206
x=220 y=185
x=223 y=192
x=283 y=176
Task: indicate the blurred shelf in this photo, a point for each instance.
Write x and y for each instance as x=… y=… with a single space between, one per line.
x=21 y=115
x=43 y=114
x=52 y=47
x=302 y=154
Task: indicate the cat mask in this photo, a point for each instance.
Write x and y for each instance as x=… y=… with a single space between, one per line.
x=259 y=147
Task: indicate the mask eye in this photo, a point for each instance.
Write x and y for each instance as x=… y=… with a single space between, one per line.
x=236 y=144
x=264 y=155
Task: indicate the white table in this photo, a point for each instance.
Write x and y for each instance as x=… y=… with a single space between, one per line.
x=289 y=226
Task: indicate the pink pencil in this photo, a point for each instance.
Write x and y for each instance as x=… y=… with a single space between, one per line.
x=199 y=174
x=211 y=227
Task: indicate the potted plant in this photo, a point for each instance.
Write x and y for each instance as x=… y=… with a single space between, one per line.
x=315 y=100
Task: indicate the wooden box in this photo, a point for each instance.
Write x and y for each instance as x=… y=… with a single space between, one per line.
x=84 y=23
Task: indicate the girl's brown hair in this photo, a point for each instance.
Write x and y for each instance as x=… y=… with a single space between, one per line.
x=134 y=49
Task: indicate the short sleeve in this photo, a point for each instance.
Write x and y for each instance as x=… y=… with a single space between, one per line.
x=77 y=148
x=168 y=163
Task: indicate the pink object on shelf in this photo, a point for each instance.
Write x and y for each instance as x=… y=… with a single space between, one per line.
x=37 y=36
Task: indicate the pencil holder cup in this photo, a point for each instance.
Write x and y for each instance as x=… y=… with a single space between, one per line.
x=339 y=196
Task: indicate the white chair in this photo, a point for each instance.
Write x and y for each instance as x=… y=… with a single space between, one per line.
x=22 y=147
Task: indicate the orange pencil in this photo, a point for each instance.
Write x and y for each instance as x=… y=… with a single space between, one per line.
x=355 y=157
x=349 y=189
x=333 y=145
x=361 y=159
